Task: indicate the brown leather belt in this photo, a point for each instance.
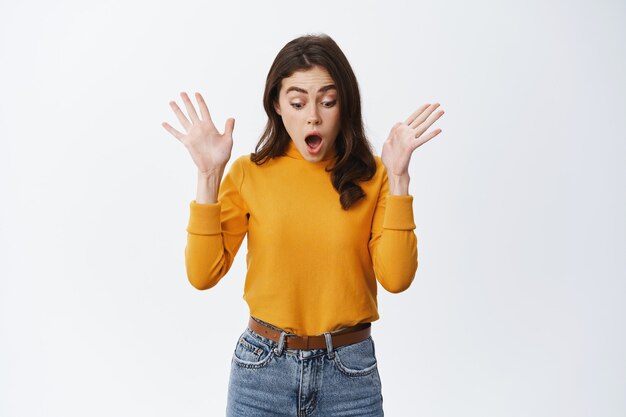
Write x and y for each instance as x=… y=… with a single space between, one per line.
x=346 y=336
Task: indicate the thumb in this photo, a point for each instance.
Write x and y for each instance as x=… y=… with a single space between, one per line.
x=230 y=126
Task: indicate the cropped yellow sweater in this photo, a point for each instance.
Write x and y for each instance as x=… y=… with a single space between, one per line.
x=312 y=267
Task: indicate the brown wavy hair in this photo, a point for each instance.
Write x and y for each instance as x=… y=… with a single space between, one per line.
x=355 y=156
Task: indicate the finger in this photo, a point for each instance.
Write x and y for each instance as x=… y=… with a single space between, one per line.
x=424 y=126
x=230 y=126
x=190 y=109
x=419 y=120
x=416 y=113
x=204 y=110
x=173 y=131
x=422 y=140
x=180 y=115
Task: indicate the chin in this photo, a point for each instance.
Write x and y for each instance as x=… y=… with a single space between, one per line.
x=313 y=158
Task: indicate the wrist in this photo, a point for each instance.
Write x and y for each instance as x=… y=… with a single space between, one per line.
x=399 y=184
x=211 y=172
x=208 y=186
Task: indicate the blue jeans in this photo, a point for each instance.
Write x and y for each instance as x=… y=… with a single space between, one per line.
x=268 y=380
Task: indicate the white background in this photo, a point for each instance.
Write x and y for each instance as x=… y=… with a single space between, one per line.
x=517 y=308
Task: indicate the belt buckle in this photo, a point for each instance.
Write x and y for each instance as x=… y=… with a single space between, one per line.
x=286 y=341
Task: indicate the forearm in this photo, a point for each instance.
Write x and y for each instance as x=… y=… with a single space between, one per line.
x=206 y=260
x=216 y=228
x=396 y=259
x=394 y=245
x=209 y=186
x=210 y=252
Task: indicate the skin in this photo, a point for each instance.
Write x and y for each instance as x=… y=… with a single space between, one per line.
x=313 y=107
x=301 y=112
x=403 y=139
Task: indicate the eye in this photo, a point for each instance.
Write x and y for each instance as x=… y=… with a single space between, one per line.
x=329 y=104
x=296 y=106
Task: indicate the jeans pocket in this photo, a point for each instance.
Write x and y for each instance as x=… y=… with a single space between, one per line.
x=356 y=359
x=251 y=352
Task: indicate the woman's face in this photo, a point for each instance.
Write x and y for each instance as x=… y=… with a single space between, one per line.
x=309 y=107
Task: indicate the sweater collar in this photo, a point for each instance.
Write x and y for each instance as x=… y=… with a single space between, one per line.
x=293 y=152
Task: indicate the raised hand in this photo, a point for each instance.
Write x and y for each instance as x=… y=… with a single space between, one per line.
x=405 y=137
x=209 y=149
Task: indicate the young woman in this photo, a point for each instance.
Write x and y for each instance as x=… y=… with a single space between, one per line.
x=326 y=220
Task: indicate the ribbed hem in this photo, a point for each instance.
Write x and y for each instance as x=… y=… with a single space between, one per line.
x=399 y=212
x=204 y=219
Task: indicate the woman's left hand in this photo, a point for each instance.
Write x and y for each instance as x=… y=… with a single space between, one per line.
x=404 y=138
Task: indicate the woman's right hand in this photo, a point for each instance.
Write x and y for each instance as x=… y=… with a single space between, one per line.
x=209 y=149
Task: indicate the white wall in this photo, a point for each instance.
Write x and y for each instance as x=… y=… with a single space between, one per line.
x=517 y=307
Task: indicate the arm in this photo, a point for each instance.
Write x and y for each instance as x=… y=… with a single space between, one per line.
x=393 y=243
x=216 y=229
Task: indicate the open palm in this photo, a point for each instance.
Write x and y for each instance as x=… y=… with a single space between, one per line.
x=405 y=137
x=209 y=149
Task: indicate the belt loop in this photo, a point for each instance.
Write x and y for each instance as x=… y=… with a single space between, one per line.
x=281 y=343
x=329 y=345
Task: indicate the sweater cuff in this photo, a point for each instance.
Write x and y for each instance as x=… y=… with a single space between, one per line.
x=204 y=219
x=399 y=212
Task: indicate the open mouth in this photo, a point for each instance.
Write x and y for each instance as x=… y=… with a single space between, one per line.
x=313 y=143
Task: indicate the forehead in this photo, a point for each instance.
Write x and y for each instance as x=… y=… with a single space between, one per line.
x=313 y=78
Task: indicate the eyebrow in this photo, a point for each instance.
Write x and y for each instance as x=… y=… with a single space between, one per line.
x=321 y=90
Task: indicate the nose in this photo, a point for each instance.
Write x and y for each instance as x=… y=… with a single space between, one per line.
x=314 y=117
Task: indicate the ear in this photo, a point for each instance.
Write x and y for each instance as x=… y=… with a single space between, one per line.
x=277 y=107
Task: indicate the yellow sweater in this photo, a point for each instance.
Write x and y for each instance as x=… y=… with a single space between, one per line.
x=312 y=267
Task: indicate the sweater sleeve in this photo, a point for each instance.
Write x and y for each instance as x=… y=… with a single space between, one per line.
x=215 y=231
x=393 y=243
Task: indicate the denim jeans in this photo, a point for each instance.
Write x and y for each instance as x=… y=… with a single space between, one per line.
x=268 y=380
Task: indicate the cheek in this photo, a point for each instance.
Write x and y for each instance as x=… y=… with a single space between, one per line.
x=336 y=118
x=295 y=116
x=289 y=120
